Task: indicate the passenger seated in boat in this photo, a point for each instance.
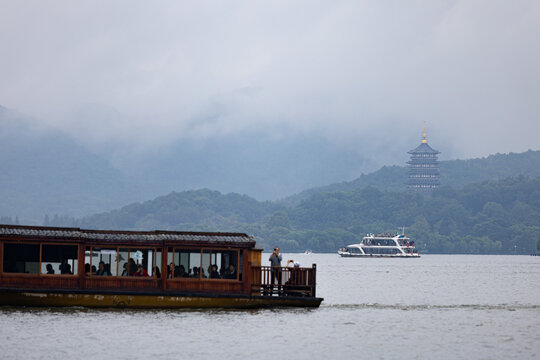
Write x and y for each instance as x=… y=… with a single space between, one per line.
x=64 y=267
x=195 y=272
x=181 y=272
x=125 y=272
x=156 y=272
x=230 y=273
x=87 y=269
x=50 y=269
x=131 y=267
x=102 y=271
x=141 y=271
x=174 y=271
x=294 y=267
x=292 y=263
x=212 y=270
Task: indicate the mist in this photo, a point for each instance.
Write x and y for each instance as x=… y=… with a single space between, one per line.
x=344 y=69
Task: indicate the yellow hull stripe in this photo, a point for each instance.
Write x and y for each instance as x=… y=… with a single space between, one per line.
x=148 y=301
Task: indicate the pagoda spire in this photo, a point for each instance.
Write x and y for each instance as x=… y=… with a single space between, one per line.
x=424 y=140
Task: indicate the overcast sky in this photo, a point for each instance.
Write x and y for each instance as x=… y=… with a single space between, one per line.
x=150 y=73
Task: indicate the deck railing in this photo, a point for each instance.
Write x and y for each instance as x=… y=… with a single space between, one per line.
x=283 y=281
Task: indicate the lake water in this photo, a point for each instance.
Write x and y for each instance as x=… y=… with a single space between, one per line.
x=435 y=307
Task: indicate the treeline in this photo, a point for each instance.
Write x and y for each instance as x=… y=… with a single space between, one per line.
x=497 y=217
x=204 y=210
x=487 y=218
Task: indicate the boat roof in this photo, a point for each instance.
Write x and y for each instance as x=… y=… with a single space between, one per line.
x=155 y=237
x=385 y=236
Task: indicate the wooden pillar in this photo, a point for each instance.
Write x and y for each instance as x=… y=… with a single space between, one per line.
x=80 y=269
x=246 y=271
x=164 y=269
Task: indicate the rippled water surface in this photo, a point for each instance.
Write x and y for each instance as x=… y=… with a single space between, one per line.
x=435 y=307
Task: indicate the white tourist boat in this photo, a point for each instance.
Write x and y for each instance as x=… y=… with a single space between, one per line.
x=381 y=245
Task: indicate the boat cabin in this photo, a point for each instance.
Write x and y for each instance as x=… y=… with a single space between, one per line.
x=124 y=266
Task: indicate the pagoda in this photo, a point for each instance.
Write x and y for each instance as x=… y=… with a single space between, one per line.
x=424 y=173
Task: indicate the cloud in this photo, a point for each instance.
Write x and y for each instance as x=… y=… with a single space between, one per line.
x=354 y=71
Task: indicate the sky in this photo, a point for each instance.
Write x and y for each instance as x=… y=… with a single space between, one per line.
x=142 y=75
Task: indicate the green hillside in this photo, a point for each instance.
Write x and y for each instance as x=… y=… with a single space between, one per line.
x=189 y=210
x=492 y=217
x=495 y=217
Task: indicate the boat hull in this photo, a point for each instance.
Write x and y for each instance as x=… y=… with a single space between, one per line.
x=380 y=256
x=52 y=298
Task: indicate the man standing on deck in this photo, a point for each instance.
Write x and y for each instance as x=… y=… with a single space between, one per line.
x=275 y=262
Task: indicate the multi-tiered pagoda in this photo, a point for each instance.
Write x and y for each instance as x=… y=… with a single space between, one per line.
x=424 y=173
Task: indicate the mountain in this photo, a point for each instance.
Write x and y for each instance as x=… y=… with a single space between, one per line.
x=454 y=173
x=48 y=172
x=44 y=171
x=496 y=217
x=488 y=216
x=189 y=210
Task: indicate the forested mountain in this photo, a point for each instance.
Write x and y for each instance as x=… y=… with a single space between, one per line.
x=189 y=210
x=454 y=173
x=47 y=171
x=487 y=205
x=491 y=217
x=496 y=217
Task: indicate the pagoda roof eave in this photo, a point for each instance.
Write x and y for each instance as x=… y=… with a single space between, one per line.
x=423 y=148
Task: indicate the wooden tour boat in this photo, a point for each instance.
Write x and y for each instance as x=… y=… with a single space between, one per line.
x=47 y=266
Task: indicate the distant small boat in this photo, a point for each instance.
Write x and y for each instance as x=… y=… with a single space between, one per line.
x=308 y=252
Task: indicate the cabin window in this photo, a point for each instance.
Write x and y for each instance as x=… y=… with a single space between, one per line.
x=137 y=262
x=21 y=258
x=220 y=264
x=127 y=261
x=102 y=262
x=40 y=259
x=105 y=261
x=205 y=264
x=184 y=263
x=59 y=259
